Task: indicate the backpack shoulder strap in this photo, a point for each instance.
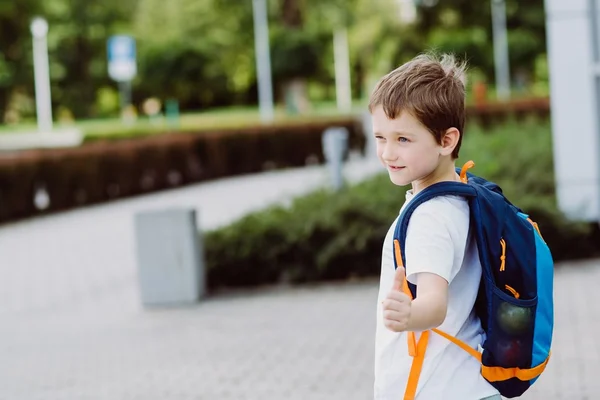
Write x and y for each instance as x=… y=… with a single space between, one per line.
x=417 y=348
x=438 y=189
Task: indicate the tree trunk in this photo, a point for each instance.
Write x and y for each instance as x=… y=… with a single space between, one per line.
x=294 y=90
x=291 y=13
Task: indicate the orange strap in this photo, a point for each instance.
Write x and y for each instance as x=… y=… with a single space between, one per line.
x=412 y=341
x=494 y=374
x=415 y=349
x=460 y=344
x=417 y=366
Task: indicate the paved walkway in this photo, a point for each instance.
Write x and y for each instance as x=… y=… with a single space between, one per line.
x=73 y=328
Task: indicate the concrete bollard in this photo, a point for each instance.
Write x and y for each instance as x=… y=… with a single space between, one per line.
x=169 y=257
x=335 y=143
x=371 y=145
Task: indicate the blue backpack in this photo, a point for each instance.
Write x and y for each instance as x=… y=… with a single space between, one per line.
x=515 y=300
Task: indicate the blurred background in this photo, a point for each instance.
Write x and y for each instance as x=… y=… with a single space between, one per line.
x=202 y=53
x=190 y=202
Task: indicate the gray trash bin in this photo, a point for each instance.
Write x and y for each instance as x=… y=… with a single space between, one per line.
x=335 y=143
x=169 y=257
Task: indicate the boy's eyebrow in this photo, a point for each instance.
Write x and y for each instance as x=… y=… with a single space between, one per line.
x=403 y=133
x=399 y=133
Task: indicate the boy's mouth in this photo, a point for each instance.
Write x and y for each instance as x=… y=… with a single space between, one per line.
x=394 y=168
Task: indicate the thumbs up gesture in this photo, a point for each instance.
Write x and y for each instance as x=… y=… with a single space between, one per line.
x=397 y=304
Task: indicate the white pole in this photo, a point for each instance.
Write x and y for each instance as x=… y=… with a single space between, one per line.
x=500 y=49
x=263 y=60
x=342 y=70
x=39 y=30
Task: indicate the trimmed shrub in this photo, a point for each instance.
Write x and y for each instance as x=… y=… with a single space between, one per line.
x=338 y=235
x=104 y=170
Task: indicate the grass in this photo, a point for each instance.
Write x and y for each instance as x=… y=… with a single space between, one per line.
x=219 y=118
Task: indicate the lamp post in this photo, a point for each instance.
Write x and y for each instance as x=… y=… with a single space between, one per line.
x=263 y=60
x=500 y=49
x=342 y=70
x=39 y=30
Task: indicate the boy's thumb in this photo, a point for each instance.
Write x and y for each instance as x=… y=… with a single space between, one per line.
x=399 y=279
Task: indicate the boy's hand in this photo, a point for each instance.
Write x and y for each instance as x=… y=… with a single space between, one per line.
x=397 y=305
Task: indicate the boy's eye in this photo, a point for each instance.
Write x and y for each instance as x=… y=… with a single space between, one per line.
x=402 y=139
x=379 y=137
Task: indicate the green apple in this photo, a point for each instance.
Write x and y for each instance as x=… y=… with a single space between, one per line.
x=514 y=320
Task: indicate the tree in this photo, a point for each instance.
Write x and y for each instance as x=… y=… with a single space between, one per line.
x=202 y=51
x=16 y=64
x=77 y=46
x=202 y=55
x=471 y=26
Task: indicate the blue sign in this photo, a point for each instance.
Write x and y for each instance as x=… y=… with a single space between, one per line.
x=122 y=65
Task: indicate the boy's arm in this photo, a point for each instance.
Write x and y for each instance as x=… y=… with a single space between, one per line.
x=428 y=310
x=434 y=232
x=425 y=312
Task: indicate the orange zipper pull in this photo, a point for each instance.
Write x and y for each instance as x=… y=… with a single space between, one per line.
x=463 y=172
x=503 y=256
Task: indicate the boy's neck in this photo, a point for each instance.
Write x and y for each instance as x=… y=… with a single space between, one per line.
x=446 y=172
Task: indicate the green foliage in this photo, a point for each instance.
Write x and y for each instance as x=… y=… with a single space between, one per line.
x=5 y=71
x=329 y=235
x=296 y=54
x=517 y=156
x=202 y=52
x=78 y=31
x=15 y=48
x=107 y=101
x=324 y=235
x=192 y=66
x=202 y=55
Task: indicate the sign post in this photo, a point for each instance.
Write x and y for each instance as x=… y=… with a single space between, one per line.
x=43 y=104
x=122 y=66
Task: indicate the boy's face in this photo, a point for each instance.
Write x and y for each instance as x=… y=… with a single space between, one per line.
x=405 y=147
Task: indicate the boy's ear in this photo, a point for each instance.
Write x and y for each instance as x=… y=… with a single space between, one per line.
x=449 y=141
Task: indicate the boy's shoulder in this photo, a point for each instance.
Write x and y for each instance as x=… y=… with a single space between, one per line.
x=443 y=213
x=443 y=207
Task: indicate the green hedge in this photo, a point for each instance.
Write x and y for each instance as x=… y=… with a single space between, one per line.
x=329 y=236
x=103 y=171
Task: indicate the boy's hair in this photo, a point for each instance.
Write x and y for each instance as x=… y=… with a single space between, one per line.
x=429 y=87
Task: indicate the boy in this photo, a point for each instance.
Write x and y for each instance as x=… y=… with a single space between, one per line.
x=418 y=116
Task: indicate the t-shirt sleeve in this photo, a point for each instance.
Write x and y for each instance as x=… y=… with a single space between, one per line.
x=429 y=246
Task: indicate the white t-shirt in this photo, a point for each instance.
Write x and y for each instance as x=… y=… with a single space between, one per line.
x=438 y=241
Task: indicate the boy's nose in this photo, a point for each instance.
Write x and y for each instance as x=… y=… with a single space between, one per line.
x=387 y=154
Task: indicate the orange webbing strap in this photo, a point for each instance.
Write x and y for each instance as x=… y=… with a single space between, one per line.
x=494 y=374
x=415 y=350
x=412 y=342
x=417 y=366
x=460 y=344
